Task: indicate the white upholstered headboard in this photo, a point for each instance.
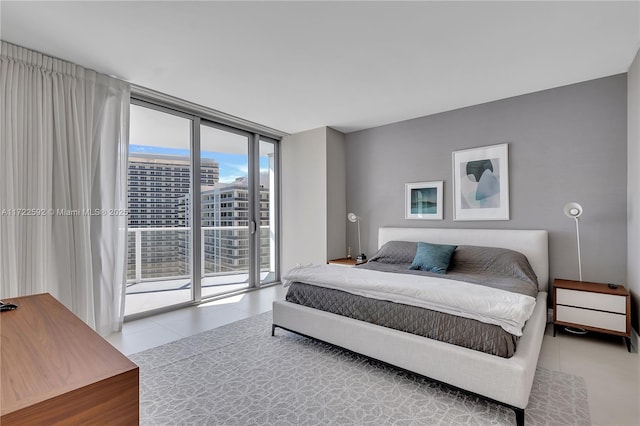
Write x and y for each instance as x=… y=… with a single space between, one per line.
x=532 y=243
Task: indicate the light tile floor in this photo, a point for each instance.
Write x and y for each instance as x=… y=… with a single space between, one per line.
x=611 y=373
x=156 y=330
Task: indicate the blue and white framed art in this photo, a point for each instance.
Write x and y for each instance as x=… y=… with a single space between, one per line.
x=423 y=200
x=481 y=183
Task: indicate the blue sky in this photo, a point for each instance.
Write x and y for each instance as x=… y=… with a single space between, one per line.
x=232 y=166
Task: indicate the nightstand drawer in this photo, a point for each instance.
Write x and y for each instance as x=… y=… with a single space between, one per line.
x=585 y=299
x=604 y=320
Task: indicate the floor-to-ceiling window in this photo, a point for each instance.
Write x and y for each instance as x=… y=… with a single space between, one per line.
x=202 y=209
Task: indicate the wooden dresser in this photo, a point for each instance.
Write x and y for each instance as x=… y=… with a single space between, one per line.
x=54 y=369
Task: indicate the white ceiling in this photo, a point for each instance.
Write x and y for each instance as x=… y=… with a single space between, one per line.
x=295 y=66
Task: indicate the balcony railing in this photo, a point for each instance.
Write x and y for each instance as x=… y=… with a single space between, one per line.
x=163 y=253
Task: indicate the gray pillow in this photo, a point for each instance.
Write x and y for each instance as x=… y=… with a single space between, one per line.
x=396 y=252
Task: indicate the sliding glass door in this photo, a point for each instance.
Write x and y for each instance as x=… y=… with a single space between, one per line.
x=183 y=167
x=159 y=259
x=225 y=210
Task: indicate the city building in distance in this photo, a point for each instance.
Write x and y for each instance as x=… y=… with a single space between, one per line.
x=159 y=199
x=225 y=225
x=157 y=184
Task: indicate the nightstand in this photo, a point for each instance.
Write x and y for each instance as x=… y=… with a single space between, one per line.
x=592 y=306
x=350 y=262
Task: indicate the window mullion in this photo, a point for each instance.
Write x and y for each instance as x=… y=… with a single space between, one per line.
x=197 y=251
x=254 y=210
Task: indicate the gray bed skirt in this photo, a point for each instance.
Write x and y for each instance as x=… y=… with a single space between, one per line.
x=464 y=332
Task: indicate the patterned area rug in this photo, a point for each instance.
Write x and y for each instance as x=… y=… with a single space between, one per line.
x=240 y=375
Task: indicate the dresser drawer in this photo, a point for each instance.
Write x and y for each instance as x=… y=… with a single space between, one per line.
x=586 y=299
x=604 y=320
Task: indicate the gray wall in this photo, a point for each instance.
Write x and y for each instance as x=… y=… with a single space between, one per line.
x=633 y=192
x=565 y=144
x=336 y=195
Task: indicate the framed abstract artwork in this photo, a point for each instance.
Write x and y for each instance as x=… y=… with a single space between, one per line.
x=481 y=183
x=423 y=200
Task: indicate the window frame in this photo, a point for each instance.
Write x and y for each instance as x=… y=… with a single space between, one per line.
x=199 y=115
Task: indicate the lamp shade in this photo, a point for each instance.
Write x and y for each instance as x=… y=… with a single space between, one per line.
x=352 y=217
x=573 y=209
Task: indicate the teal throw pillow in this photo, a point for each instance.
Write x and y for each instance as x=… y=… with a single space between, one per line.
x=432 y=257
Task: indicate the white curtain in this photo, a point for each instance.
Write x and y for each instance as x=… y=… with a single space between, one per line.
x=63 y=184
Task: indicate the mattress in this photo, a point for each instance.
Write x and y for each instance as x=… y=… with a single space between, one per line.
x=468 y=333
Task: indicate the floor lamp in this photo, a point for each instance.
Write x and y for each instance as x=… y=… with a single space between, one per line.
x=574 y=210
x=356 y=219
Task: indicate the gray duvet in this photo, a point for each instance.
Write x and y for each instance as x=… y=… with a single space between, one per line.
x=497 y=268
x=488 y=266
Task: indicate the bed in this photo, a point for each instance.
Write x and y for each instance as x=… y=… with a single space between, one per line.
x=506 y=380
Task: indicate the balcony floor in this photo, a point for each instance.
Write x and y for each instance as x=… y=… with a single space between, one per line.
x=150 y=295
